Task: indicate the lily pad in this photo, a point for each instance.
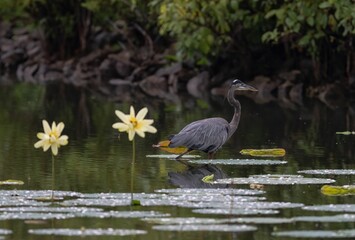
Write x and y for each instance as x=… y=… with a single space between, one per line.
x=51 y=209
x=34 y=215
x=172 y=156
x=317 y=234
x=332 y=208
x=187 y=220
x=274 y=180
x=243 y=162
x=236 y=211
x=263 y=220
x=204 y=227
x=338 y=190
x=333 y=218
x=11 y=182
x=86 y=232
x=97 y=202
x=329 y=171
x=204 y=191
x=345 y=133
x=273 y=152
x=5 y=231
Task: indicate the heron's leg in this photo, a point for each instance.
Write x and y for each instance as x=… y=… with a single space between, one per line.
x=211 y=155
x=182 y=154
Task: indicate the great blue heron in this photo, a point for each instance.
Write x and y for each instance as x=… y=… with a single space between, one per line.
x=208 y=135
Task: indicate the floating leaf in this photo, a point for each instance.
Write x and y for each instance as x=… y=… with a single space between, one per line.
x=210 y=191
x=273 y=152
x=164 y=145
x=317 y=234
x=263 y=220
x=345 y=133
x=244 y=162
x=332 y=208
x=333 y=218
x=329 y=171
x=208 y=178
x=274 y=180
x=11 y=182
x=338 y=190
x=203 y=227
x=35 y=215
x=236 y=211
x=172 y=156
x=86 y=232
x=5 y=231
x=186 y=220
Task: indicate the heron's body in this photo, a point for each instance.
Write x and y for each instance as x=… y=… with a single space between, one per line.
x=209 y=135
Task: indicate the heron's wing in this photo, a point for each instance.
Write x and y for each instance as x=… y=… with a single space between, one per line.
x=206 y=135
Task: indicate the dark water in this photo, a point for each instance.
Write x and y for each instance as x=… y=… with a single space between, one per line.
x=97 y=161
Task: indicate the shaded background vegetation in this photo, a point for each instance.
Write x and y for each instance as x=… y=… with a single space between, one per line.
x=248 y=36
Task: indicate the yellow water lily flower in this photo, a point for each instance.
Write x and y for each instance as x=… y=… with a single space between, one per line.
x=132 y=123
x=51 y=138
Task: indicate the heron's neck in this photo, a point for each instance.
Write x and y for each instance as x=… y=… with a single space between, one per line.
x=237 y=110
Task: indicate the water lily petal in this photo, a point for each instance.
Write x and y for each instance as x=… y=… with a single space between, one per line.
x=42 y=135
x=63 y=140
x=140 y=133
x=147 y=121
x=132 y=112
x=54 y=149
x=46 y=145
x=60 y=128
x=46 y=127
x=124 y=118
x=150 y=129
x=131 y=133
x=39 y=144
x=141 y=114
x=122 y=127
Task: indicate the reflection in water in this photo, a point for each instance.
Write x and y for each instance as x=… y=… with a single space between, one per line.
x=95 y=161
x=193 y=175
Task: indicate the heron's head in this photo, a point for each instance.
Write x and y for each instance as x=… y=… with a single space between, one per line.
x=240 y=86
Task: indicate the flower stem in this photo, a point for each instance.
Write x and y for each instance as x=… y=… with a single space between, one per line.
x=53 y=179
x=133 y=168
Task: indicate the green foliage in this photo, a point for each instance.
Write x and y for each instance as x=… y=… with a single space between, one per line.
x=199 y=27
x=309 y=23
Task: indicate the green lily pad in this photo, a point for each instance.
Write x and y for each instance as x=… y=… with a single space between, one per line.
x=345 y=133
x=86 y=232
x=345 y=190
x=11 y=182
x=333 y=218
x=320 y=234
x=242 y=162
x=329 y=171
x=273 y=152
x=204 y=227
x=332 y=208
x=274 y=180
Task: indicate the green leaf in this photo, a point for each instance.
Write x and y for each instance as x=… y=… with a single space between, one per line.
x=273 y=152
x=208 y=178
x=338 y=190
x=11 y=182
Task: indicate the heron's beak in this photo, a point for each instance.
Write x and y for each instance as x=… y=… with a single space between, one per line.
x=246 y=87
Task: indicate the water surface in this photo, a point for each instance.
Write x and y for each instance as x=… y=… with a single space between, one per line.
x=98 y=159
